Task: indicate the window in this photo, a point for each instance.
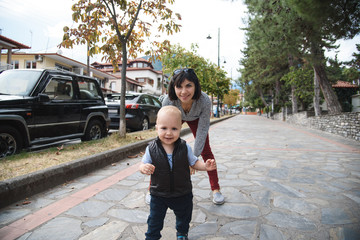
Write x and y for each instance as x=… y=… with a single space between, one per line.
x=158 y=83
x=88 y=90
x=30 y=64
x=59 y=89
x=15 y=64
x=157 y=102
x=141 y=80
x=113 y=86
x=151 y=82
x=147 y=100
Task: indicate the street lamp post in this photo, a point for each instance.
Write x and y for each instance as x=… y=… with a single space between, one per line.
x=218 y=63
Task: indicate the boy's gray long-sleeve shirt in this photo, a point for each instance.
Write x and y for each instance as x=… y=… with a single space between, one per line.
x=200 y=109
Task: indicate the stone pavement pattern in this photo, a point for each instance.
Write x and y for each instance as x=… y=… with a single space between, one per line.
x=279 y=181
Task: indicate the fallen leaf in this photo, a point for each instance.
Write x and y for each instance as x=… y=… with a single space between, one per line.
x=134 y=156
x=26 y=202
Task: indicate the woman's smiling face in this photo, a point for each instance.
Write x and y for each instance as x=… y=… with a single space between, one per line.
x=185 y=91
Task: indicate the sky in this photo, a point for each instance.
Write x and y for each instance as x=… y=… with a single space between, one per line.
x=39 y=24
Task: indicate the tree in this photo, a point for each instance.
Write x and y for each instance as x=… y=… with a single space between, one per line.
x=325 y=21
x=356 y=61
x=352 y=73
x=294 y=30
x=302 y=79
x=232 y=97
x=118 y=28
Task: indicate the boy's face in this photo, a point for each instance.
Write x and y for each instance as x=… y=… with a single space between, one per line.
x=168 y=127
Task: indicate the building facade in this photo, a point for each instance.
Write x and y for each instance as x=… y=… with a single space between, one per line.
x=138 y=71
x=59 y=62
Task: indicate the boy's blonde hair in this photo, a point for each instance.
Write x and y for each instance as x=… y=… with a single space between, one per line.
x=166 y=110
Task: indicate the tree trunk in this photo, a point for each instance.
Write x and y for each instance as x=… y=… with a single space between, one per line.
x=122 y=124
x=316 y=95
x=260 y=92
x=277 y=91
x=294 y=100
x=331 y=99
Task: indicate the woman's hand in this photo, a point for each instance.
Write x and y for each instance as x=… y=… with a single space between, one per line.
x=192 y=170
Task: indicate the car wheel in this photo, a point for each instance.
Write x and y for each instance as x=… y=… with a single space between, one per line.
x=10 y=141
x=145 y=124
x=95 y=130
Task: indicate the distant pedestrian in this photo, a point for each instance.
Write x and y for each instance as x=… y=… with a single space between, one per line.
x=167 y=160
x=184 y=92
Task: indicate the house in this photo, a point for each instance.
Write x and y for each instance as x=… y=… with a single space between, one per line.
x=138 y=71
x=141 y=75
x=9 y=45
x=59 y=62
x=348 y=96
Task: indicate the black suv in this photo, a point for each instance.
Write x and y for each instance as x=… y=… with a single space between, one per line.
x=40 y=106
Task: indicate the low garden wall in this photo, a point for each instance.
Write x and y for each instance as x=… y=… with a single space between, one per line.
x=344 y=124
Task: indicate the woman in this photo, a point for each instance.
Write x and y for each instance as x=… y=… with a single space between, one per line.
x=185 y=93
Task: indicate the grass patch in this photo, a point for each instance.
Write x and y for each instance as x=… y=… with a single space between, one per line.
x=28 y=162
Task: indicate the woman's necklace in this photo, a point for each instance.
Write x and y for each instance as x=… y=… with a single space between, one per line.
x=186 y=108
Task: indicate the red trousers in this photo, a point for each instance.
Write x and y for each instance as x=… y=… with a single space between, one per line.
x=206 y=154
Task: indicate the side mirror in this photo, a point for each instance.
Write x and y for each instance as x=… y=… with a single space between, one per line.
x=43 y=97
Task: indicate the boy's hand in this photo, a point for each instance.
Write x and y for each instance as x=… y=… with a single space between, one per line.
x=147 y=169
x=210 y=164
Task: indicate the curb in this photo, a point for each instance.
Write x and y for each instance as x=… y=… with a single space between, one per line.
x=21 y=187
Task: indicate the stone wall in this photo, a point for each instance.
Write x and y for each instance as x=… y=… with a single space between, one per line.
x=344 y=124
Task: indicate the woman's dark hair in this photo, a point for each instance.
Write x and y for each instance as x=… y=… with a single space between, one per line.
x=179 y=77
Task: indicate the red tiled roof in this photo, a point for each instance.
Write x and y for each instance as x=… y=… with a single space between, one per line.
x=120 y=62
x=343 y=84
x=7 y=42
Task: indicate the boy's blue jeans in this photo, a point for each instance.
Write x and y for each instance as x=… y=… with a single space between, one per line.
x=182 y=207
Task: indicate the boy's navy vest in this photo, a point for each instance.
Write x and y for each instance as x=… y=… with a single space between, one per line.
x=164 y=181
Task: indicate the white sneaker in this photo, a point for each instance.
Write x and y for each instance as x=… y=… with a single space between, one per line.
x=218 y=198
x=147 y=198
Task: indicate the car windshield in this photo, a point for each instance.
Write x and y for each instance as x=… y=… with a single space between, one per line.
x=13 y=82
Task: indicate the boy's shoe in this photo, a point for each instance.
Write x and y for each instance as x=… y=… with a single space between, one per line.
x=147 y=198
x=218 y=198
x=182 y=237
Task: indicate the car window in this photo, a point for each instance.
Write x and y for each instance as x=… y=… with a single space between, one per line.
x=59 y=89
x=130 y=97
x=88 y=89
x=147 y=100
x=156 y=102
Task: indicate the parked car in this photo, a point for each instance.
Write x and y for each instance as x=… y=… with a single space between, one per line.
x=140 y=110
x=40 y=106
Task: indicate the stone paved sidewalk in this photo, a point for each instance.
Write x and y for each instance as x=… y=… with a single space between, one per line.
x=279 y=181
